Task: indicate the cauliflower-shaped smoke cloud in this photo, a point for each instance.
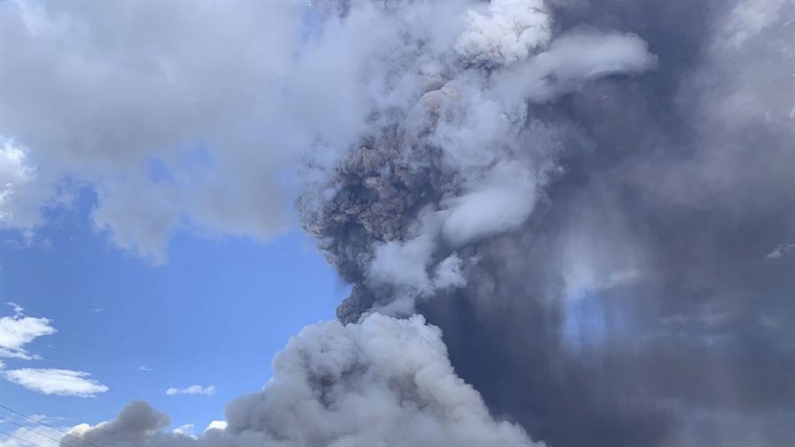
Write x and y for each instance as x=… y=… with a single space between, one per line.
x=382 y=382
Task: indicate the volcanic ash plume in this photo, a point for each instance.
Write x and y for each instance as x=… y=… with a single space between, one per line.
x=460 y=158
x=590 y=201
x=593 y=200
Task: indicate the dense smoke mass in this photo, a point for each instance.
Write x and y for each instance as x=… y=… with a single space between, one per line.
x=593 y=201
x=384 y=382
x=564 y=222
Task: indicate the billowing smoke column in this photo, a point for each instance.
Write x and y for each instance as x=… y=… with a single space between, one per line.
x=592 y=199
x=385 y=382
x=464 y=159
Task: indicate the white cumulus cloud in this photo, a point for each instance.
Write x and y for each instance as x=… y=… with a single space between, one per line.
x=58 y=382
x=18 y=330
x=216 y=425
x=166 y=125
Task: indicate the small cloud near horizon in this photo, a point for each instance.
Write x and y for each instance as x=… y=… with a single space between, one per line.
x=194 y=390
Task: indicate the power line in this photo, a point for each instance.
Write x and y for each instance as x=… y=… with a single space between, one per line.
x=21 y=439
x=34 y=431
x=47 y=425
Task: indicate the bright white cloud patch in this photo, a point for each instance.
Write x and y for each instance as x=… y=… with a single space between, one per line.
x=192 y=390
x=217 y=425
x=184 y=429
x=509 y=31
x=19 y=330
x=405 y=263
x=502 y=203
x=59 y=382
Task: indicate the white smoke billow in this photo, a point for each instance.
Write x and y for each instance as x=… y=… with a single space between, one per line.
x=508 y=32
x=384 y=382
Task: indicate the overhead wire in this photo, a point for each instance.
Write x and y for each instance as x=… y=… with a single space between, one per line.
x=34 y=431
x=20 y=439
x=38 y=421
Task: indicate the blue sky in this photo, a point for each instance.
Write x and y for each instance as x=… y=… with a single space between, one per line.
x=220 y=308
x=213 y=316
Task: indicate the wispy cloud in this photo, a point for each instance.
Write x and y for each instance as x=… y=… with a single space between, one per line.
x=781 y=250
x=192 y=390
x=18 y=330
x=43 y=437
x=144 y=368
x=48 y=419
x=18 y=310
x=59 y=382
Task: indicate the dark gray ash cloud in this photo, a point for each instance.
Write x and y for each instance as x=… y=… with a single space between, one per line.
x=638 y=291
